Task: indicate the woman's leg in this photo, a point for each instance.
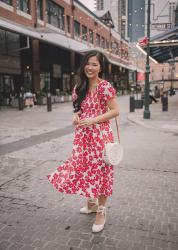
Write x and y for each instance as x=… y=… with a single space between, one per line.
x=102 y=200
x=100 y=218
x=90 y=207
x=91 y=202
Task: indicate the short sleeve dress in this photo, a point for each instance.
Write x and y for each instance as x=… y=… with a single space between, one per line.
x=85 y=173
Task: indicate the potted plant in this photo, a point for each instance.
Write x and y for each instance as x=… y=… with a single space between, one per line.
x=41 y=98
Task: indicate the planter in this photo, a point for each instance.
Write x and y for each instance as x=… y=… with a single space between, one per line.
x=138 y=104
x=15 y=102
x=52 y=99
x=42 y=100
x=70 y=98
x=57 y=99
x=62 y=98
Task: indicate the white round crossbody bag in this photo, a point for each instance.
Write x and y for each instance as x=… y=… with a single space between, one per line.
x=113 y=151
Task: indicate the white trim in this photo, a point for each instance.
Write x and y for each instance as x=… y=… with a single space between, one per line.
x=145 y=53
x=6 y=6
x=41 y=22
x=22 y=13
x=52 y=27
x=77 y=38
x=67 y=1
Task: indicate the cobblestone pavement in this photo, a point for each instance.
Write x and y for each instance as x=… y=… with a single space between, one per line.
x=142 y=214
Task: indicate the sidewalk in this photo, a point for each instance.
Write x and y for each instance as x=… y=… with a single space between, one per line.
x=142 y=213
x=164 y=121
x=17 y=125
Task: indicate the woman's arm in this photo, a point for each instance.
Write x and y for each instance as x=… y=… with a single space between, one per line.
x=76 y=119
x=113 y=112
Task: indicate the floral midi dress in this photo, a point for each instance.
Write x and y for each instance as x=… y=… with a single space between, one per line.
x=85 y=172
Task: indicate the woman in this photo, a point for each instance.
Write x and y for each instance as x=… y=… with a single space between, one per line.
x=85 y=172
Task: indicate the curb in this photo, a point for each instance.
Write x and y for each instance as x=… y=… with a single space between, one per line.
x=174 y=128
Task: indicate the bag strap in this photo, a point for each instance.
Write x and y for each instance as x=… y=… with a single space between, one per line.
x=118 y=131
x=116 y=121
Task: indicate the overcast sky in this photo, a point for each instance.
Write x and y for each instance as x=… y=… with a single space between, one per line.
x=88 y=3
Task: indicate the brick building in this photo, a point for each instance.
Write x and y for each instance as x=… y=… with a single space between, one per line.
x=42 y=44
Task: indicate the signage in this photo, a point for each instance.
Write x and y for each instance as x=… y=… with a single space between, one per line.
x=161 y=26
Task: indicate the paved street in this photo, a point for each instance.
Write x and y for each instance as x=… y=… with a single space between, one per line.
x=142 y=214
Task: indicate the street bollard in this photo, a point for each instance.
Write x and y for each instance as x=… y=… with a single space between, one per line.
x=49 y=105
x=21 y=107
x=132 y=104
x=164 y=103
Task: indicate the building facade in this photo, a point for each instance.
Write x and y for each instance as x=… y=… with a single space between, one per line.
x=162 y=16
x=42 y=44
x=118 y=10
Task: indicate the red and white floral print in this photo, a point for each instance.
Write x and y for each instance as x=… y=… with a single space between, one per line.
x=85 y=173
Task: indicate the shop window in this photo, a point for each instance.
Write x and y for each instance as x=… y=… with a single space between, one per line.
x=24 y=5
x=40 y=9
x=9 y=41
x=91 y=36
x=6 y=87
x=84 y=33
x=76 y=28
x=98 y=40
x=68 y=24
x=55 y=14
x=7 y=1
x=45 y=82
x=27 y=80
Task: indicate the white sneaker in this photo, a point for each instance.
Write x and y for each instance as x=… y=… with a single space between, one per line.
x=98 y=228
x=93 y=209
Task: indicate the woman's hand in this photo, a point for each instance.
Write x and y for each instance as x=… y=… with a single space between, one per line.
x=76 y=119
x=88 y=122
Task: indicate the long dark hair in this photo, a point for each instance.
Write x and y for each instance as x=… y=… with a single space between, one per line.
x=83 y=85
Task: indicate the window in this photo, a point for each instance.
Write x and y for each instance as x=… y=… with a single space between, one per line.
x=114 y=47
x=68 y=24
x=7 y=1
x=98 y=40
x=84 y=33
x=107 y=45
x=55 y=14
x=40 y=9
x=9 y=41
x=91 y=36
x=76 y=28
x=23 y=5
x=102 y=42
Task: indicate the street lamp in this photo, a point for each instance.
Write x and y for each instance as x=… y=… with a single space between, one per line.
x=172 y=75
x=146 y=114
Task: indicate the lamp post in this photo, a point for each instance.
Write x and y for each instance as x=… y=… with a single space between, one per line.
x=146 y=114
x=172 y=75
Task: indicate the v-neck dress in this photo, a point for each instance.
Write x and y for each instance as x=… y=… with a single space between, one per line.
x=85 y=172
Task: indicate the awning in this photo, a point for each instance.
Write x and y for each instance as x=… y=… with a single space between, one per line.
x=164 y=46
x=45 y=34
x=54 y=37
